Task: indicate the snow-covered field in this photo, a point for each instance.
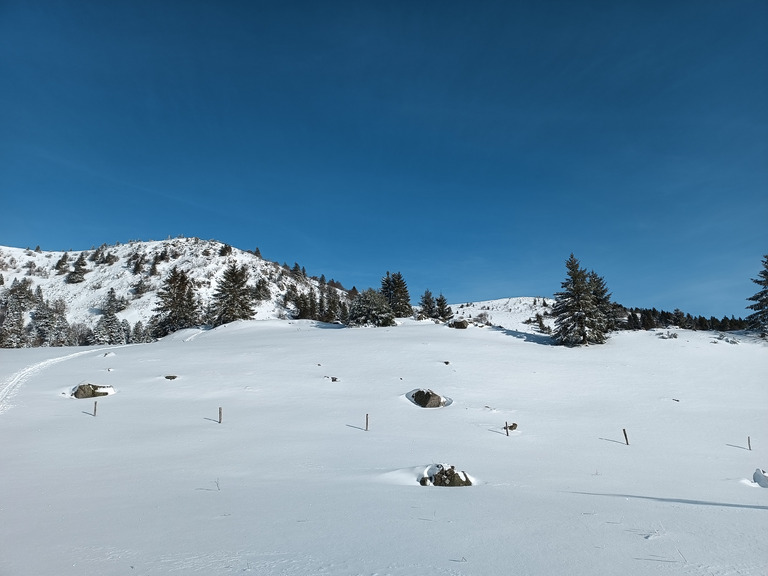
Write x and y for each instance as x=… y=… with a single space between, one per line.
x=291 y=483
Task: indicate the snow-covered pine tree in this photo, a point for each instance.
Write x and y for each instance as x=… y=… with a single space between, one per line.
x=758 y=320
x=233 y=299
x=62 y=265
x=78 y=273
x=108 y=330
x=602 y=300
x=578 y=321
x=370 y=308
x=177 y=305
x=113 y=304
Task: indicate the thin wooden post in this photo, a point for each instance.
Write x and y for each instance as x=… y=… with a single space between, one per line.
x=95 y=403
x=749 y=443
x=506 y=427
x=219 y=414
x=366 y=422
x=625 y=436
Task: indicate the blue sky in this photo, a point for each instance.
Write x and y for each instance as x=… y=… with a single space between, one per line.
x=471 y=146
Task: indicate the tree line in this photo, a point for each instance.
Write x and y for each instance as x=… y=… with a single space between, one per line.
x=584 y=313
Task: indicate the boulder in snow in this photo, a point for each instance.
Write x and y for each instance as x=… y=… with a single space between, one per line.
x=442 y=475
x=87 y=390
x=760 y=478
x=427 y=398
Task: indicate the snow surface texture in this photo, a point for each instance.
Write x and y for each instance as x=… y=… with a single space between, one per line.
x=290 y=483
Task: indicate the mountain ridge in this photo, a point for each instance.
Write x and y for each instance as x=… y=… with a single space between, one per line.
x=122 y=266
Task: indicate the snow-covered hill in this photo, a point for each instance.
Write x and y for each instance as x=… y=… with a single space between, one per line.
x=203 y=260
x=291 y=484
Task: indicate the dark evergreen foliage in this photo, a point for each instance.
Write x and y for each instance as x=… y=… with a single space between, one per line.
x=444 y=311
x=233 y=299
x=113 y=304
x=109 y=330
x=261 y=290
x=62 y=265
x=395 y=290
x=139 y=288
x=427 y=305
x=177 y=306
x=578 y=318
x=370 y=308
x=77 y=275
x=758 y=320
x=49 y=326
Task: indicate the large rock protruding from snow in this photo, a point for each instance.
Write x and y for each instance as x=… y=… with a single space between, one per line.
x=442 y=475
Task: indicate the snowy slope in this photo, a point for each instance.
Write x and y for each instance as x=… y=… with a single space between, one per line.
x=290 y=482
x=201 y=259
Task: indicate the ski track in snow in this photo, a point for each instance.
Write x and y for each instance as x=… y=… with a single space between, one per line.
x=11 y=386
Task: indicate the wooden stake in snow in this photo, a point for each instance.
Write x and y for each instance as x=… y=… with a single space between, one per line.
x=749 y=443
x=95 y=403
x=506 y=427
x=366 y=422
x=219 y=414
x=625 y=436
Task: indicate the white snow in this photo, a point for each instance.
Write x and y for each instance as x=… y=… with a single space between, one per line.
x=290 y=483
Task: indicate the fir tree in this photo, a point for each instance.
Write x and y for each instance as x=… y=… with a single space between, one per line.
x=78 y=273
x=177 y=306
x=332 y=305
x=602 y=300
x=108 y=330
x=62 y=265
x=578 y=320
x=370 y=308
x=444 y=311
x=261 y=290
x=139 y=288
x=233 y=299
x=758 y=320
x=12 y=333
x=427 y=305
x=395 y=290
x=113 y=304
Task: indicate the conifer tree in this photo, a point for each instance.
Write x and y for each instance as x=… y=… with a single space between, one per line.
x=758 y=320
x=602 y=300
x=108 y=330
x=113 y=304
x=12 y=333
x=62 y=265
x=444 y=311
x=177 y=306
x=233 y=299
x=395 y=290
x=78 y=273
x=427 y=305
x=370 y=308
x=578 y=320
x=261 y=290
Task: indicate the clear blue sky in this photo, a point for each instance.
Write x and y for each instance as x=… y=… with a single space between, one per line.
x=471 y=146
